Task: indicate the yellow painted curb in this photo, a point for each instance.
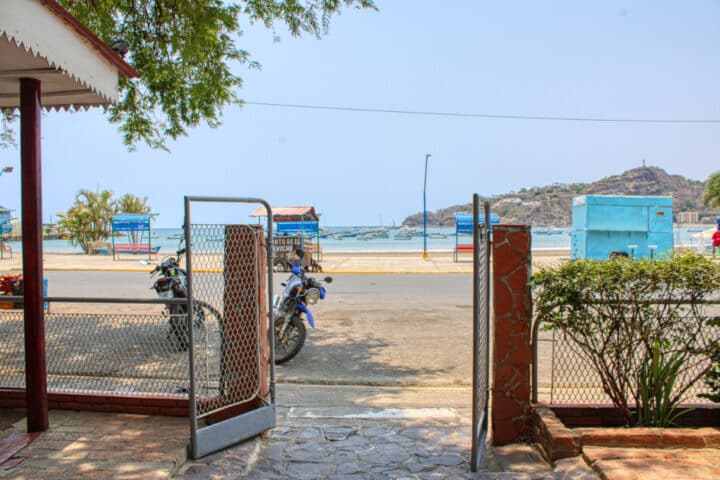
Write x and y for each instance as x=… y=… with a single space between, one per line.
x=334 y=272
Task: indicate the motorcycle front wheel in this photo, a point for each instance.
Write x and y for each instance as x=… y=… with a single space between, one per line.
x=280 y=265
x=291 y=341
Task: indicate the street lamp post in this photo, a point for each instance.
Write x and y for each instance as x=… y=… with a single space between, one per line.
x=425 y=254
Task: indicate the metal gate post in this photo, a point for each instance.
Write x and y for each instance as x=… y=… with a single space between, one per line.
x=481 y=330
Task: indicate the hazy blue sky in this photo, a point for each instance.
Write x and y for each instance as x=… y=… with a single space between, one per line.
x=633 y=59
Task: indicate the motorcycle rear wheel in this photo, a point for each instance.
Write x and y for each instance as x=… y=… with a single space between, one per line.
x=204 y=313
x=287 y=346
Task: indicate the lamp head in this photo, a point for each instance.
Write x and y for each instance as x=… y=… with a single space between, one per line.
x=7 y=169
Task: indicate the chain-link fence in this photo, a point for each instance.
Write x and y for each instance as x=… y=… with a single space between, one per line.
x=122 y=352
x=225 y=274
x=564 y=373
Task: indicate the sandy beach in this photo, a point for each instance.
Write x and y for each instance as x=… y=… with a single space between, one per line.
x=345 y=262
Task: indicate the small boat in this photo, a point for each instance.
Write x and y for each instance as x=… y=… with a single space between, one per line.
x=176 y=236
x=436 y=235
x=404 y=236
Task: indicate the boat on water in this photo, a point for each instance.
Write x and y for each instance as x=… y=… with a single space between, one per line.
x=436 y=235
x=406 y=233
x=176 y=236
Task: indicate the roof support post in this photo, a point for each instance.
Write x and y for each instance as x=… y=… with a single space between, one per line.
x=35 y=364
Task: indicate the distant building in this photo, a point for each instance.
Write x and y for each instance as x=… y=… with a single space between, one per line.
x=687 y=217
x=513 y=200
x=5 y=221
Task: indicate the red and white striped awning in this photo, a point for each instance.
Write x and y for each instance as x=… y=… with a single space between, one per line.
x=39 y=39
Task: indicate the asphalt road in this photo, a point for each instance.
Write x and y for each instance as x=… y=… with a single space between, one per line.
x=371 y=330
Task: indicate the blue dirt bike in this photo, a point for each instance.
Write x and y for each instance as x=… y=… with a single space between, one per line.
x=288 y=309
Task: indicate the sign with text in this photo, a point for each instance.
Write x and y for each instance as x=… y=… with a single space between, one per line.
x=286 y=245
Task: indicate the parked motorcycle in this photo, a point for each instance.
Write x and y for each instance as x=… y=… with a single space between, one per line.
x=288 y=309
x=172 y=283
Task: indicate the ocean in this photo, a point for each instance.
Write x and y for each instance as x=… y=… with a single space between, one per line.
x=555 y=238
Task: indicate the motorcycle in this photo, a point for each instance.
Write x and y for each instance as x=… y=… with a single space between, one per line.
x=172 y=283
x=288 y=309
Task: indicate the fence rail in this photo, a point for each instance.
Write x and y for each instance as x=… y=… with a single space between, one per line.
x=563 y=374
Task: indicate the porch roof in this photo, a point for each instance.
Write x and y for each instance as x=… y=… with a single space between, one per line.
x=40 y=39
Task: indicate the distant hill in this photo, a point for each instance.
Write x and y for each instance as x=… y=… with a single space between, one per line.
x=551 y=205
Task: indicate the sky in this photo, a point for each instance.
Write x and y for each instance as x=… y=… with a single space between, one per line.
x=608 y=59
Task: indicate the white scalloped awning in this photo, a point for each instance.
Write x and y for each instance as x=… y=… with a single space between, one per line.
x=41 y=40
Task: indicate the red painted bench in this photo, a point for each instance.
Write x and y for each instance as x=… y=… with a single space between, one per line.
x=135 y=249
x=463 y=248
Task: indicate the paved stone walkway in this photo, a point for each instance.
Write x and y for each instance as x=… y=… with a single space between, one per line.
x=366 y=445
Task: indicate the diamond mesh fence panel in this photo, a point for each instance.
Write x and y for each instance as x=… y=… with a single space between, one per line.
x=225 y=280
x=566 y=374
x=481 y=320
x=483 y=302
x=105 y=352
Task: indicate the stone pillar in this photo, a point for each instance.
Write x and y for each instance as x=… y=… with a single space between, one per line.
x=512 y=355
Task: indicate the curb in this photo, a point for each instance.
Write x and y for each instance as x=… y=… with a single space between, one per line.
x=334 y=272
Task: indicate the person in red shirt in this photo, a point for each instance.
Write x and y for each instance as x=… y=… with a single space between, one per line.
x=716 y=240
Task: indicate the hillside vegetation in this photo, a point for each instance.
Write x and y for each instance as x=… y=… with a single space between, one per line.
x=552 y=205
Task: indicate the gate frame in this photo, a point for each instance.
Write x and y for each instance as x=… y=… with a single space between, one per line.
x=480 y=413
x=212 y=438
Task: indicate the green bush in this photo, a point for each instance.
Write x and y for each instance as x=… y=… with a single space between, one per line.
x=627 y=315
x=712 y=379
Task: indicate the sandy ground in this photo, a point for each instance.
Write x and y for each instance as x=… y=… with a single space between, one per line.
x=351 y=262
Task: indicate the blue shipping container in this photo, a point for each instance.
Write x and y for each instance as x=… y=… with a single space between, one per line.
x=637 y=225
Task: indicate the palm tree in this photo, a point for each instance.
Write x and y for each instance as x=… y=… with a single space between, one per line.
x=711 y=197
x=130 y=203
x=89 y=219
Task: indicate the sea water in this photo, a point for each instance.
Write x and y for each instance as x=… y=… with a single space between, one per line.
x=557 y=239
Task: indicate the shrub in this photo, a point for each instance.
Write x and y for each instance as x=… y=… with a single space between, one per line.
x=712 y=379
x=628 y=317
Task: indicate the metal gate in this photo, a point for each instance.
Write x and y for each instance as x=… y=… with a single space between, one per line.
x=232 y=375
x=482 y=254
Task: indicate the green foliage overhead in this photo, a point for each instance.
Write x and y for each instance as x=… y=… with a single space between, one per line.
x=89 y=219
x=711 y=196
x=185 y=51
x=614 y=313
